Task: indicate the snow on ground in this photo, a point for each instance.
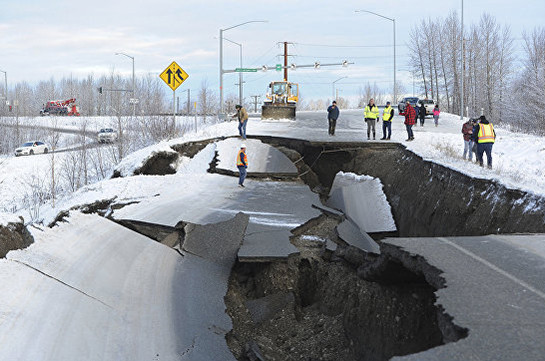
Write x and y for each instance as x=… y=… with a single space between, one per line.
x=115 y=298
x=6 y=218
x=137 y=159
x=518 y=159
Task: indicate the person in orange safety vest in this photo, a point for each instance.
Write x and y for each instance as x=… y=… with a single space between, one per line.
x=242 y=165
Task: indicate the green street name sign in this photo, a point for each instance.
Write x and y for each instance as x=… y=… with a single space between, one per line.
x=245 y=70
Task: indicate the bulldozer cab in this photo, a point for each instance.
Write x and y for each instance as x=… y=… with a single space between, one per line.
x=283 y=92
x=281 y=101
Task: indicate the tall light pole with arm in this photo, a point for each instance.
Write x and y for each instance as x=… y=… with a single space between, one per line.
x=240 y=95
x=394 y=22
x=333 y=85
x=462 y=65
x=6 y=85
x=133 y=89
x=221 y=55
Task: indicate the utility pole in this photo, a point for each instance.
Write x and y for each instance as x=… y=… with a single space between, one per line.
x=285 y=61
x=6 y=88
x=462 y=59
x=189 y=101
x=256 y=97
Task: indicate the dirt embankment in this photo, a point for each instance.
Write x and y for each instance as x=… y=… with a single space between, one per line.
x=315 y=306
x=14 y=236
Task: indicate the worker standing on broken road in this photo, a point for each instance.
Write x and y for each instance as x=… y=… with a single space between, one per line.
x=242 y=116
x=242 y=165
x=371 y=117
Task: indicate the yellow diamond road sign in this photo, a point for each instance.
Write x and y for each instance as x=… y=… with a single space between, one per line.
x=174 y=75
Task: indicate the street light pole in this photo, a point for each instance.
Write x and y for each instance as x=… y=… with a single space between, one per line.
x=6 y=85
x=240 y=96
x=133 y=89
x=221 y=56
x=394 y=23
x=333 y=84
x=462 y=65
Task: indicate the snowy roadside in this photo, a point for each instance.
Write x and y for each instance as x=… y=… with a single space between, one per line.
x=518 y=159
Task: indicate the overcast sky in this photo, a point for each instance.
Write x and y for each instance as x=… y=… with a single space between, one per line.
x=55 y=38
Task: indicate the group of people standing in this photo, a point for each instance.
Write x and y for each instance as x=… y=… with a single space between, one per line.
x=371 y=116
x=479 y=137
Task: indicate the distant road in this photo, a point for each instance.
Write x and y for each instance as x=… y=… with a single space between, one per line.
x=89 y=134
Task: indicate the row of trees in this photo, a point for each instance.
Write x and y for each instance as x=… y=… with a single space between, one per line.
x=28 y=100
x=489 y=67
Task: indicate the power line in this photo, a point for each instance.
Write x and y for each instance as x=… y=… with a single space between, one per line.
x=351 y=57
x=350 y=46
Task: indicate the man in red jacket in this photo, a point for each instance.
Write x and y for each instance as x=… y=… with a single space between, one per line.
x=410 y=119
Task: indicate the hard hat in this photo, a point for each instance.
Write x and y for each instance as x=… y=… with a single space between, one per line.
x=243 y=145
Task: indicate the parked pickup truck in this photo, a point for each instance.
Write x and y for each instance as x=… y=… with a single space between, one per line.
x=401 y=105
x=107 y=135
x=429 y=104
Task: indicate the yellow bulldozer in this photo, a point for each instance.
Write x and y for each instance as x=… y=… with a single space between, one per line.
x=281 y=100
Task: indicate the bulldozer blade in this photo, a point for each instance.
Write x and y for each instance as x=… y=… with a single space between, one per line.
x=277 y=112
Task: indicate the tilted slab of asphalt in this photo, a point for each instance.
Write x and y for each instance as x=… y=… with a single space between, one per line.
x=108 y=293
x=495 y=287
x=274 y=209
x=363 y=201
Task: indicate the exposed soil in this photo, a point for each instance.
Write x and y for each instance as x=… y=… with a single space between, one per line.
x=314 y=306
x=14 y=236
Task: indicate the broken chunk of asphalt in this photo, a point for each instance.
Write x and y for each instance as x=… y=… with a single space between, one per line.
x=218 y=242
x=167 y=235
x=351 y=234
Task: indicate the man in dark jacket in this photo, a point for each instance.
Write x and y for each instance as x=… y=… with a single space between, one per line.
x=422 y=113
x=410 y=120
x=332 y=116
x=467 y=131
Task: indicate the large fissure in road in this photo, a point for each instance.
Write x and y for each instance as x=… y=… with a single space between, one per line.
x=332 y=301
x=316 y=306
x=343 y=304
x=427 y=199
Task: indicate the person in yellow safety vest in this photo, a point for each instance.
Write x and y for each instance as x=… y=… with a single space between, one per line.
x=371 y=117
x=387 y=116
x=485 y=140
x=242 y=165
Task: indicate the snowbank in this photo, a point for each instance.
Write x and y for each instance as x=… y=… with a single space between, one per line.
x=6 y=218
x=134 y=161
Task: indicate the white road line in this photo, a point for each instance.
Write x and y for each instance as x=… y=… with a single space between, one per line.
x=495 y=268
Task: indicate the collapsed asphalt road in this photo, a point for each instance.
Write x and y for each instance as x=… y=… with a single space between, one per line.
x=331 y=295
x=294 y=281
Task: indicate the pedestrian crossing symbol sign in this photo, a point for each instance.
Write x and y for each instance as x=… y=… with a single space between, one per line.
x=174 y=75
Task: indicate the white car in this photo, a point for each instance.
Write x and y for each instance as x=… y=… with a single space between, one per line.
x=429 y=104
x=107 y=135
x=31 y=148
